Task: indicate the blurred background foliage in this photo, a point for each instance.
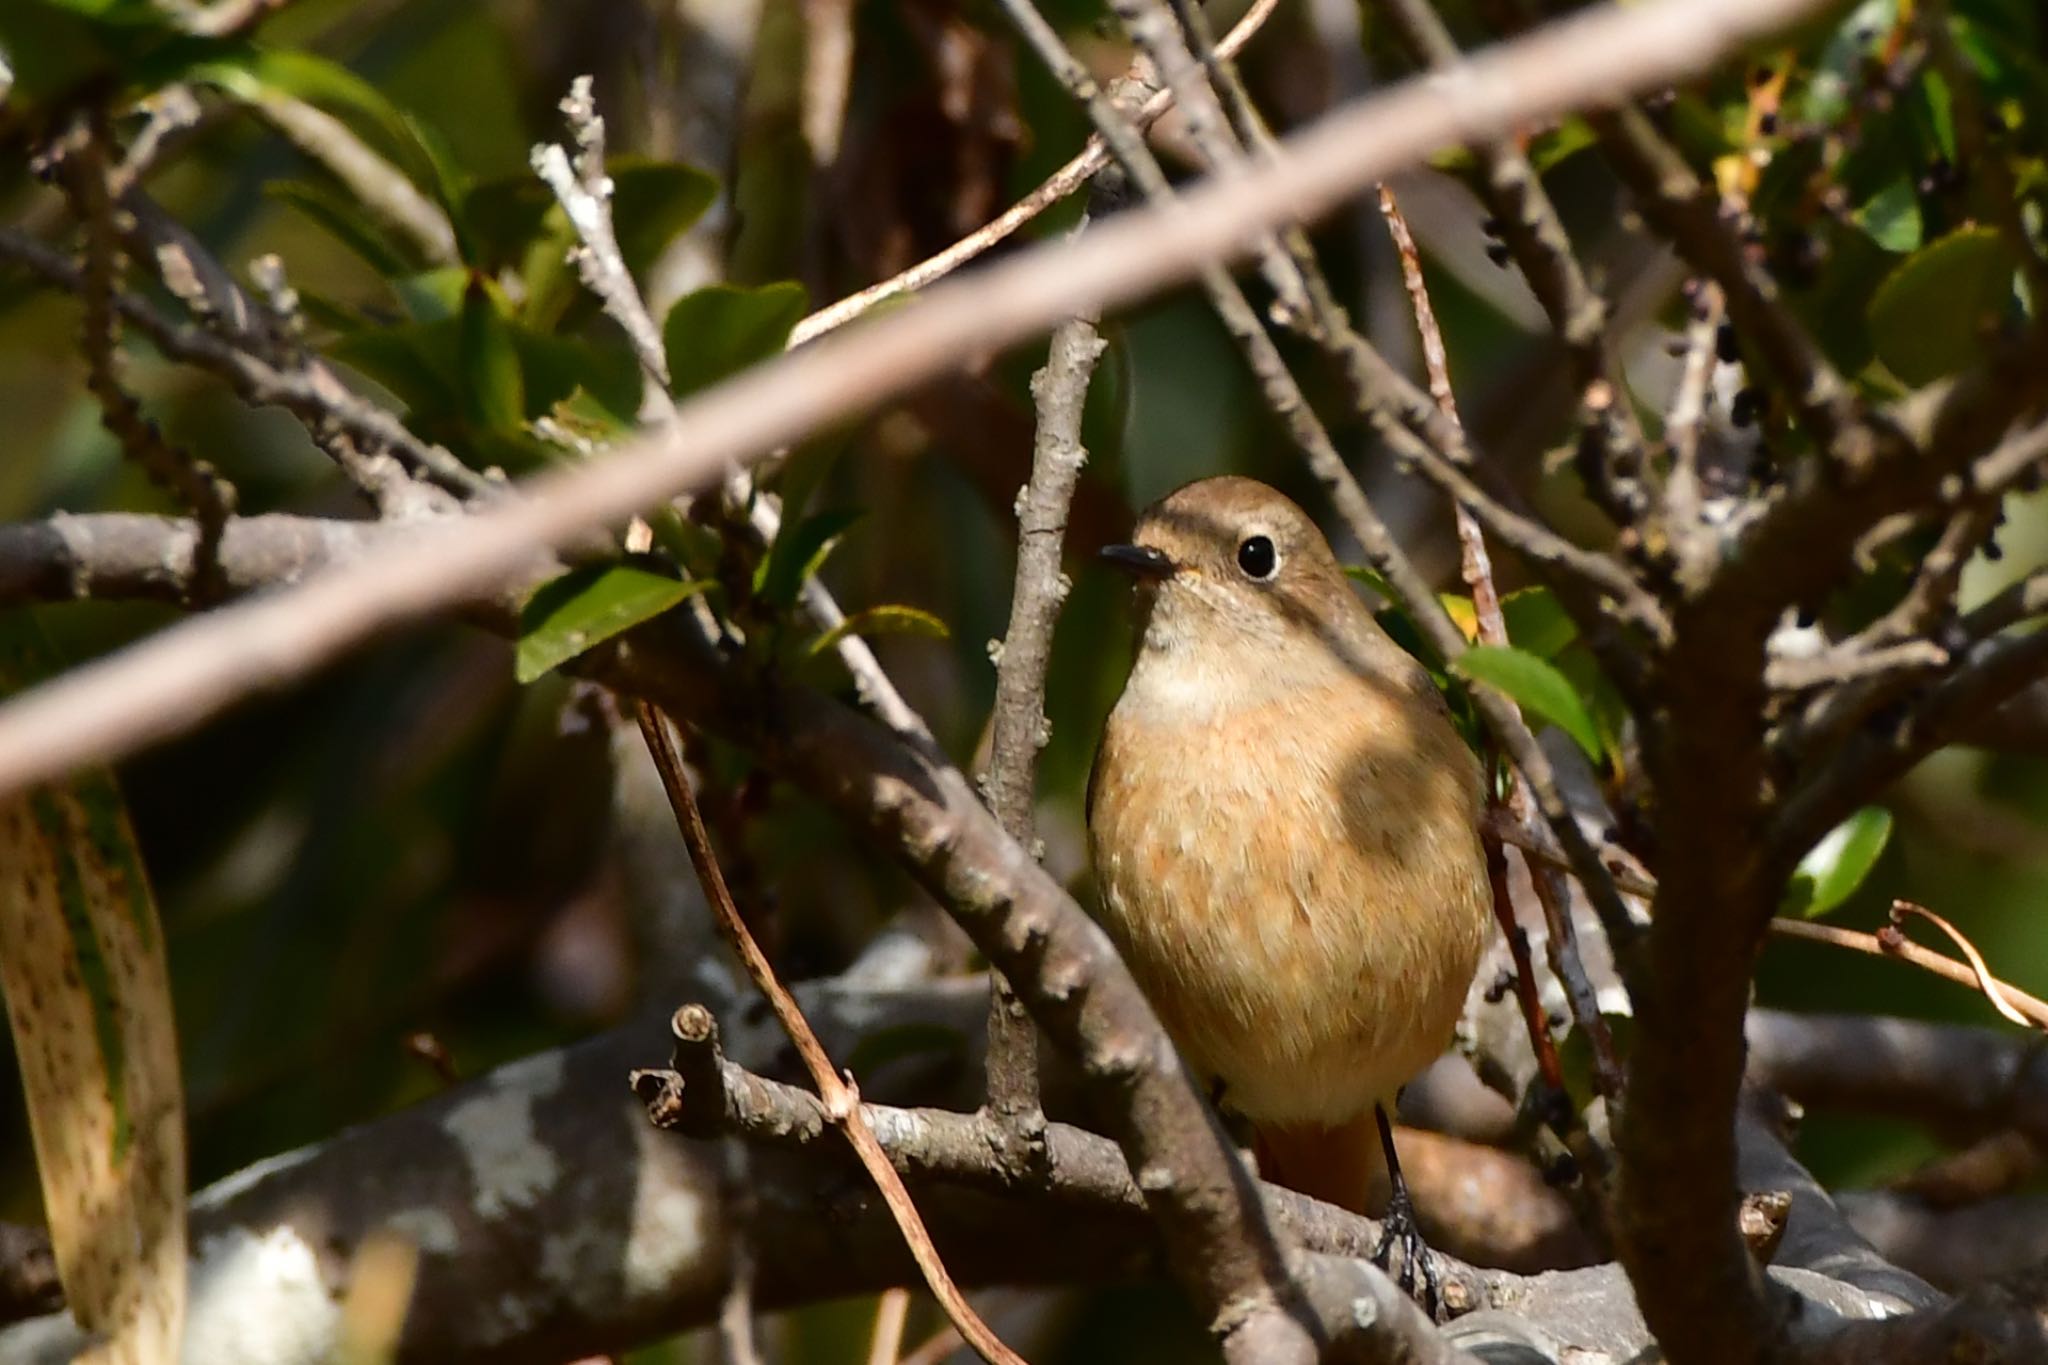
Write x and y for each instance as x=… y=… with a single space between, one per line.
x=414 y=844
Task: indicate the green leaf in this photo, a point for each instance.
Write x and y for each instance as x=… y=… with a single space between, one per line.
x=1929 y=317
x=720 y=330
x=888 y=619
x=1832 y=870
x=1892 y=217
x=253 y=74
x=587 y=606
x=494 y=388
x=82 y=965
x=433 y=295
x=343 y=219
x=505 y=216
x=1535 y=685
x=1374 y=580
x=799 y=551
x=1537 y=622
x=652 y=203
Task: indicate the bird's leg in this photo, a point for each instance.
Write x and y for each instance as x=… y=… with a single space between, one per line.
x=1417 y=1277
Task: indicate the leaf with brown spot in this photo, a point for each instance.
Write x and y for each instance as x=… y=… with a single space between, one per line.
x=89 y=1002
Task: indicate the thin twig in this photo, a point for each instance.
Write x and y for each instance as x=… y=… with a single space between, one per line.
x=1689 y=214
x=1994 y=990
x=584 y=189
x=885 y=1343
x=1561 y=942
x=191 y=480
x=841 y=1098
x=2008 y=999
x=1534 y=234
x=1065 y=181
x=1686 y=493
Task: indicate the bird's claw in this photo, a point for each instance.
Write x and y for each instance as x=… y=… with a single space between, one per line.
x=1416 y=1277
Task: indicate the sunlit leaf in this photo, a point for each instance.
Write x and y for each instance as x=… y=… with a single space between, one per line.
x=888 y=619
x=1832 y=870
x=1536 y=686
x=433 y=295
x=1892 y=217
x=585 y=607
x=722 y=329
x=1538 y=622
x=1930 y=316
x=95 y=1040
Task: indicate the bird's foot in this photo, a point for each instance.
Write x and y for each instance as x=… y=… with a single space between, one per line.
x=1416 y=1275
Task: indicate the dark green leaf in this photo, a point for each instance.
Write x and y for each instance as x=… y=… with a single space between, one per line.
x=720 y=330
x=494 y=387
x=344 y=220
x=505 y=216
x=652 y=203
x=1830 y=873
x=1930 y=316
x=419 y=362
x=888 y=619
x=1537 y=622
x=798 y=551
x=587 y=606
x=253 y=74
x=1536 y=686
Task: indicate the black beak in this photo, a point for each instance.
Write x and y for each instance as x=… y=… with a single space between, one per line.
x=1141 y=561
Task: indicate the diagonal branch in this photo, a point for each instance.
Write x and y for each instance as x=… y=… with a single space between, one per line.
x=838 y=1095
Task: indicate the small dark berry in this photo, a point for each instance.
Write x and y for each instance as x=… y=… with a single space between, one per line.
x=1497 y=252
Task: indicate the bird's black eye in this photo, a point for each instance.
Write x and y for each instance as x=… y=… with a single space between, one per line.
x=1257 y=557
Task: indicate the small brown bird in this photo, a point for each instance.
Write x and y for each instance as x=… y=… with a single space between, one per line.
x=1285 y=830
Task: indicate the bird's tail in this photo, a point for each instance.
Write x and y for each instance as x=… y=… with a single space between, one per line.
x=1340 y=1165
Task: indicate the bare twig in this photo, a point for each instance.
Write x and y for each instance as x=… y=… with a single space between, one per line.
x=2008 y=999
x=309 y=390
x=1562 y=939
x=1688 y=213
x=1686 y=492
x=841 y=1099
x=1994 y=990
x=584 y=189
x=192 y=481
x=1534 y=235
x=885 y=1343
x=1019 y=728
x=192 y=671
x=1067 y=180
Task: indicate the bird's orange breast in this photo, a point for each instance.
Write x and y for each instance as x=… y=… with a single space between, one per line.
x=1298 y=886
